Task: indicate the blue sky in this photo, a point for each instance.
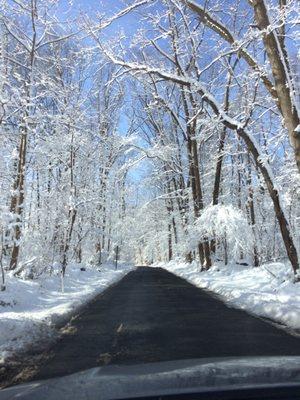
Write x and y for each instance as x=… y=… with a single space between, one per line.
x=128 y=23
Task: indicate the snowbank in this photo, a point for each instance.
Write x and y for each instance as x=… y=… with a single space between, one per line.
x=29 y=310
x=266 y=291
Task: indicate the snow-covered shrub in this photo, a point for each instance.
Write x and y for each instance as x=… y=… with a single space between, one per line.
x=227 y=226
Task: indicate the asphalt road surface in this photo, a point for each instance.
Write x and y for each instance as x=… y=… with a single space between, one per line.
x=152 y=315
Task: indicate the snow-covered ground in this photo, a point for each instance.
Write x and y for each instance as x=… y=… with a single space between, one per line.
x=29 y=310
x=267 y=291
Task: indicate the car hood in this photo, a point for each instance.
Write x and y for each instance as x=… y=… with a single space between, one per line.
x=182 y=376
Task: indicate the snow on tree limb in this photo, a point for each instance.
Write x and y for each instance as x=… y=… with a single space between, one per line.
x=225 y=33
x=231 y=123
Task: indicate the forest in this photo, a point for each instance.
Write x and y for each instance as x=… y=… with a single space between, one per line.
x=179 y=141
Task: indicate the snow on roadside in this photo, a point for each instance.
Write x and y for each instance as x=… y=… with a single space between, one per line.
x=267 y=291
x=29 y=310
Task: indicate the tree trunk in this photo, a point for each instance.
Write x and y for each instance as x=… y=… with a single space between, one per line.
x=199 y=201
x=218 y=173
x=170 y=250
x=280 y=71
x=72 y=210
x=17 y=201
x=252 y=212
x=217 y=182
x=283 y=223
x=194 y=173
x=71 y=218
x=225 y=250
